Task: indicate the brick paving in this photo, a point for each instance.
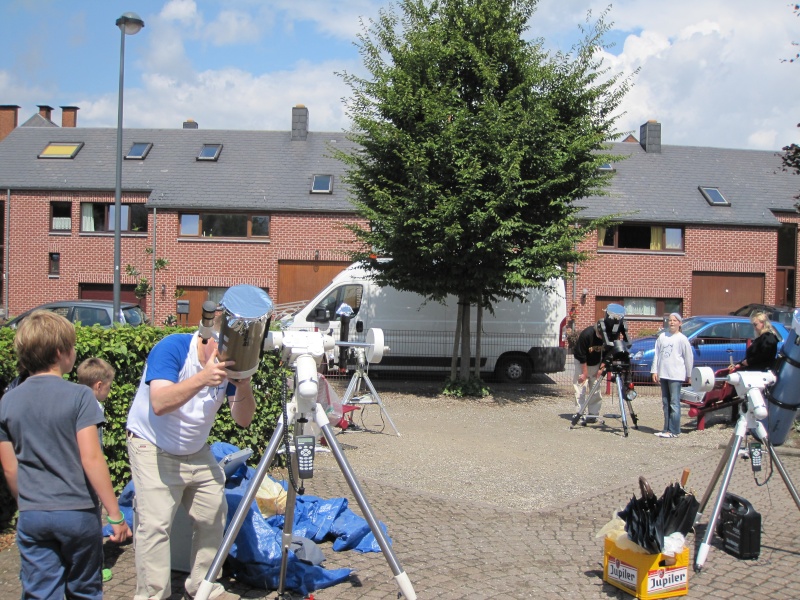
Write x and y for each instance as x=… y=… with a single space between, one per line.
x=459 y=549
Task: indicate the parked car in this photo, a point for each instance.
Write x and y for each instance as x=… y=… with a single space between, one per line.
x=88 y=312
x=780 y=314
x=715 y=340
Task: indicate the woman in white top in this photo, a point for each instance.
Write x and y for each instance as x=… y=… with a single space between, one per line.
x=672 y=365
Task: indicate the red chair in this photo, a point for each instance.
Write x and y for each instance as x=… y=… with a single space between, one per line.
x=347 y=416
x=722 y=396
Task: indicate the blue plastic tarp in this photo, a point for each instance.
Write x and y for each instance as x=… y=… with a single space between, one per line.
x=255 y=556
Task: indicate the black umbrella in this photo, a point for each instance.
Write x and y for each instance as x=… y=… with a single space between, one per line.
x=677 y=511
x=649 y=520
x=640 y=516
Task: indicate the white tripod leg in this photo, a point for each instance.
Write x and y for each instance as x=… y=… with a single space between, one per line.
x=400 y=576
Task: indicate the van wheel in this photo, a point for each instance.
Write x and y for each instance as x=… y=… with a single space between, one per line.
x=513 y=369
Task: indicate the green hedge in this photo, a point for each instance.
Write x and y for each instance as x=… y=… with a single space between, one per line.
x=126 y=349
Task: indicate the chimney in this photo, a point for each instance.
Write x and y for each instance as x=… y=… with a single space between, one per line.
x=299 y=122
x=650 y=136
x=69 y=116
x=190 y=124
x=9 y=115
x=46 y=112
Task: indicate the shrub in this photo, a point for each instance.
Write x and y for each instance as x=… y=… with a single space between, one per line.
x=126 y=349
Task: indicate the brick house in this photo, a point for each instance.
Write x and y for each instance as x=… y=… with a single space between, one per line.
x=702 y=229
x=266 y=208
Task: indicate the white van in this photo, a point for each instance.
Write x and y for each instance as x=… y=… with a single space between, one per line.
x=519 y=339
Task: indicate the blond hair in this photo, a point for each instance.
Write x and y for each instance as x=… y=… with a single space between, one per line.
x=762 y=317
x=40 y=338
x=93 y=370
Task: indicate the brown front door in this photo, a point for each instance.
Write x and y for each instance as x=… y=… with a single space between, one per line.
x=195 y=296
x=722 y=293
x=301 y=280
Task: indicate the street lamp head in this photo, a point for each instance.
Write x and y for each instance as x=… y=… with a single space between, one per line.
x=130 y=23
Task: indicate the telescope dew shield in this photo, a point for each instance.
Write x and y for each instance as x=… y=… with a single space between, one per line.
x=247 y=311
x=784 y=397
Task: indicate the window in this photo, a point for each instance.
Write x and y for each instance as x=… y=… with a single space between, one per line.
x=54 y=267
x=606 y=167
x=322 y=184
x=654 y=308
x=61 y=150
x=210 y=152
x=88 y=316
x=713 y=196
x=641 y=237
x=97 y=217
x=61 y=216
x=345 y=294
x=224 y=225
x=138 y=151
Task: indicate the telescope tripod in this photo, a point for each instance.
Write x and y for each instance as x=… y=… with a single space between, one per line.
x=619 y=381
x=747 y=424
x=302 y=425
x=352 y=395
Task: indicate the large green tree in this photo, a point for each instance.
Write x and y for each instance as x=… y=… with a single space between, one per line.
x=473 y=145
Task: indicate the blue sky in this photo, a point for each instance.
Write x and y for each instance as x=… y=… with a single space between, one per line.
x=710 y=70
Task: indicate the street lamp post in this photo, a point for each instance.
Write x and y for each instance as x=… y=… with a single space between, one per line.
x=129 y=24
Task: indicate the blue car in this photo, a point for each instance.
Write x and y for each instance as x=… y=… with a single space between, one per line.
x=715 y=341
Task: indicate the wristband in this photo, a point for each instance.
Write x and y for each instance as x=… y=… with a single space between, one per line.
x=114 y=522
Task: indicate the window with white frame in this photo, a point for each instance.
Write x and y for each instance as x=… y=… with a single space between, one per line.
x=654 y=308
x=322 y=184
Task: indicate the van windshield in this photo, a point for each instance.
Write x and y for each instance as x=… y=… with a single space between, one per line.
x=349 y=294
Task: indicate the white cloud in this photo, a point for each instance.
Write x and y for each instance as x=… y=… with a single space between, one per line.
x=232 y=27
x=181 y=11
x=261 y=102
x=710 y=71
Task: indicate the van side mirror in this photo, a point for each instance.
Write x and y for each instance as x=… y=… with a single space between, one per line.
x=360 y=326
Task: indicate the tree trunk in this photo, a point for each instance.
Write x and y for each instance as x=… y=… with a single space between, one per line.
x=465 y=343
x=478 y=330
x=456 y=342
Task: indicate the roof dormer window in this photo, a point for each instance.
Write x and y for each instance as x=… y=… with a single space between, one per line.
x=61 y=150
x=322 y=184
x=138 y=151
x=713 y=196
x=210 y=152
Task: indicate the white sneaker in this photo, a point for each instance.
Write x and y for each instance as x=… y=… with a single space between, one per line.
x=216 y=591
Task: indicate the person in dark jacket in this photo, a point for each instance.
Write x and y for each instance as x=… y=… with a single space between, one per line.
x=760 y=355
x=588 y=353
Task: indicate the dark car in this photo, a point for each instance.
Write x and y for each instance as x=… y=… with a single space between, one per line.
x=715 y=340
x=779 y=314
x=88 y=312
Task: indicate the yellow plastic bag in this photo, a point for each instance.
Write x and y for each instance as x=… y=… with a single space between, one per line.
x=271 y=498
x=614 y=530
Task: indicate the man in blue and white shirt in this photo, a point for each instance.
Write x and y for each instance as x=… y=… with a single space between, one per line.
x=182 y=389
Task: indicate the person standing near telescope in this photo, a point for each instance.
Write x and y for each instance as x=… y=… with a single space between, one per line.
x=588 y=353
x=182 y=388
x=760 y=354
x=672 y=365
